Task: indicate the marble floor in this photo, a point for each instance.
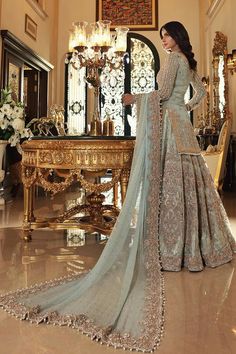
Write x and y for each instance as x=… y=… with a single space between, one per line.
x=200 y=309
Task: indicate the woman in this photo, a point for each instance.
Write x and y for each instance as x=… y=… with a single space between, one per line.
x=120 y=302
x=194 y=230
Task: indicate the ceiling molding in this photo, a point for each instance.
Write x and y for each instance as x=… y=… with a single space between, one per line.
x=38 y=9
x=214 y=7
x=19 y=49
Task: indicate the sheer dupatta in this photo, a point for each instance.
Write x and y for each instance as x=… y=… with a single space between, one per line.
x=120 y=302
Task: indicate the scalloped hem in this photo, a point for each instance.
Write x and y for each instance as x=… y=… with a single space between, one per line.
x=11 y=304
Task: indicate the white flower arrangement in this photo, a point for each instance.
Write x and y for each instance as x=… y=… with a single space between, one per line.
x=12 y=123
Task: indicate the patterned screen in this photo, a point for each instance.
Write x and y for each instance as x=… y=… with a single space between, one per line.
x=111 y=93
x=76 y=100
x=142 y=74
x=137 y=75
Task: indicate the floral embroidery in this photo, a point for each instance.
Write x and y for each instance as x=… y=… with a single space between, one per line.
x=186 y=142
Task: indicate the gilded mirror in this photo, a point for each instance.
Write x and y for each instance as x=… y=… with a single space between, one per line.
x=220 y=80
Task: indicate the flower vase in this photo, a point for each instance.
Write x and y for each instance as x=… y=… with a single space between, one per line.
x=3 y=144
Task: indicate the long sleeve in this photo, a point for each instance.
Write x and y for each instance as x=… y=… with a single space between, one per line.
x=167 y=75
x=199 y=92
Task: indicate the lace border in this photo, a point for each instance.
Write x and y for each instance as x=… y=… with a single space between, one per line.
x=10 y=303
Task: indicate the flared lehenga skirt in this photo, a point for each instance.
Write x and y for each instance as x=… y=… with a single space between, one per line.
x=194 y=228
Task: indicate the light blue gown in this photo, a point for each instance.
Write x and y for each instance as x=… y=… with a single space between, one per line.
x=172 y=216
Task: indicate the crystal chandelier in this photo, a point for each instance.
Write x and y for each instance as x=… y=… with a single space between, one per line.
x=94 y=47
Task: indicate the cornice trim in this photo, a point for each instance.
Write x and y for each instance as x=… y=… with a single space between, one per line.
x=38 y=9
x=14 y=45
x=214 y=7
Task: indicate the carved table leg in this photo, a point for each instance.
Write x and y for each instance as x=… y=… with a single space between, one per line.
x=28 y=213
x=115 y=195
x=124 y=180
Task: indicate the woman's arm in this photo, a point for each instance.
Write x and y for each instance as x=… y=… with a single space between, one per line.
x=167 y=75
x=199 y=92
x=166 y=81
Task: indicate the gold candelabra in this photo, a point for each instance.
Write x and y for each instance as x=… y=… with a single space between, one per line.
x=96 y=49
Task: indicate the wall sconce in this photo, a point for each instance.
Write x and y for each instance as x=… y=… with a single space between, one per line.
x=231 y=62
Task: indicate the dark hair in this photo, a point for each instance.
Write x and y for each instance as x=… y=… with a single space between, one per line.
x=180 y=35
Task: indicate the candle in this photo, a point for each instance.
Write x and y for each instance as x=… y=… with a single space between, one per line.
x=104 y=30
x=72 y=43
x=80 y=33
x=121 y=39
x=106 y=39
x=80 y=39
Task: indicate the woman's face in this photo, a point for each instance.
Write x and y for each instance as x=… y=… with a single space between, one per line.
x=168 y=42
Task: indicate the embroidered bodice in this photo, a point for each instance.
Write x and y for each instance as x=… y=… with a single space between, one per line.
x=173 y=80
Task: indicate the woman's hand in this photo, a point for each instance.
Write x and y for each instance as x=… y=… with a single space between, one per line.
x=128 y=99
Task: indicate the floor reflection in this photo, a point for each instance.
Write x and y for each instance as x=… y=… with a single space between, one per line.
x=200 y=309
x=70 y=251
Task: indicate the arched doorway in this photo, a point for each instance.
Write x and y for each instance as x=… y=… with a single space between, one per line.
x=141 y=65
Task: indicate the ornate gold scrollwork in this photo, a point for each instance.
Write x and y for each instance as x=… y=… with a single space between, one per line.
x=54 y=187
x=220 y=80
x=55 y=164
x=220 y=44
x=29 y=176
x=99 y=187
x=40 y=176
x=44 y=125
x=56 y=157
x=218 y=110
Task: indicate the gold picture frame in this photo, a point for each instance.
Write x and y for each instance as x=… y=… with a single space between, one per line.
x=30 y=27
x=137 y=15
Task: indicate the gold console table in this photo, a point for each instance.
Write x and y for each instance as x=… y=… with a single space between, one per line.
x=55 y=162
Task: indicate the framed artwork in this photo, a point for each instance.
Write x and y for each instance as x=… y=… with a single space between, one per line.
x=14 y=80
x=30 y=27
x=13 y=72
x=138 y=15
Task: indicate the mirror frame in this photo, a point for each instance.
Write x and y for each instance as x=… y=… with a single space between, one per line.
x=220 y=49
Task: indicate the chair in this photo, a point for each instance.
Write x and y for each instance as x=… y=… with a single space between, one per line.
x=215 y=156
